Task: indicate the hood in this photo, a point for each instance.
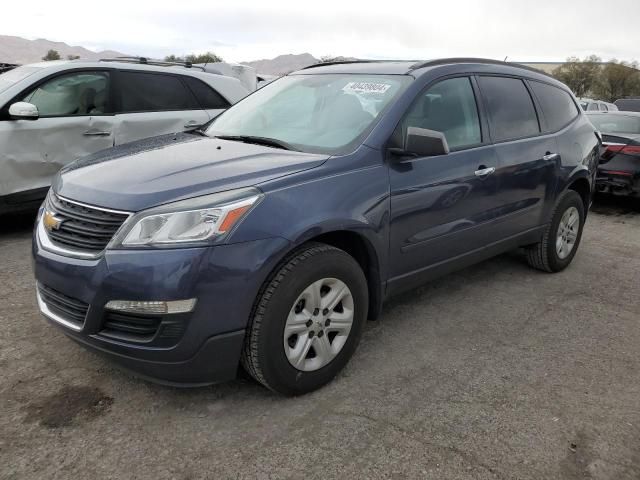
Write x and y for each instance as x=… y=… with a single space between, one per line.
x=173 y=167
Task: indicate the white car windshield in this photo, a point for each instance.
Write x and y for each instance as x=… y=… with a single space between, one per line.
x=320 y=113
x=616 y=123
x=7 y=79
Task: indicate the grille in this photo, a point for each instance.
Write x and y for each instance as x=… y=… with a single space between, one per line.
x=64 y=306
x=84 y=228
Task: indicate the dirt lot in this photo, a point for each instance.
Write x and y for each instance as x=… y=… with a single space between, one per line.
x=497 y=371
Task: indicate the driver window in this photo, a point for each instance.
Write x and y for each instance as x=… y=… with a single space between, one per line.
x=84 y=93
x=448 y=107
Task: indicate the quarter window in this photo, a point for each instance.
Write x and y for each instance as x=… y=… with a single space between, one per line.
x=84 y=93
x=207 y=97
x=152 y=92
x=557 y=105
x=510 y=108
x=448 y=107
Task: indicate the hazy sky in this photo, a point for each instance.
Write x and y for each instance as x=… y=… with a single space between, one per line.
x=242 y=30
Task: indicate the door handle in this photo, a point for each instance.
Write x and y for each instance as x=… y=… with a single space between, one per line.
x=96 y=133
x=548 y=157
x=484 y=171
x=193 y=124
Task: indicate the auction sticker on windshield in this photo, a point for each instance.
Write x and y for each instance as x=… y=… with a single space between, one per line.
x=366 y=87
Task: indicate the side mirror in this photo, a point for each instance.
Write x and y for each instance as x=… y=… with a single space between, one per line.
x=23 y=111
x=425 y=143
x=421 y=142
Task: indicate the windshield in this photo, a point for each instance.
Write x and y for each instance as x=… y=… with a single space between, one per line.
x=616 y=123
x=12 y=77
x=312 y=113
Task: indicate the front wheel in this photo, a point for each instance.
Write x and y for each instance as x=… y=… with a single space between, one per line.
x=307 y=320
x=561 y=239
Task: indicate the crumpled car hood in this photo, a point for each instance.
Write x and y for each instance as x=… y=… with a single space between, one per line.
x=167 y=168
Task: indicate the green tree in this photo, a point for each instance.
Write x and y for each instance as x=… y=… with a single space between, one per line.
x=173 y=58
x=73 y=57
x=617 y=80
x=51 y=55
x=579 y=75
x=208 y=57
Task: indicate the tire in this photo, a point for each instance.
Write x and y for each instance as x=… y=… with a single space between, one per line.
x=289 y=295
x=545 y=255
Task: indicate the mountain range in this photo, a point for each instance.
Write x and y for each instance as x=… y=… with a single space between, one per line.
x=20 y=51
x=283 y=64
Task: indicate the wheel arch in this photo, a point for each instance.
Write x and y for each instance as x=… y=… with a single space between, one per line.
x=582 y=186
x=363 y=251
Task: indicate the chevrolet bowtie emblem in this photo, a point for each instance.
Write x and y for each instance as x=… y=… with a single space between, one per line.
x=50 y=221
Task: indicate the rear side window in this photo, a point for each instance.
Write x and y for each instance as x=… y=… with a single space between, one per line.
x=557 y=105
x=152 y=92
x=510 y=108
x=207 y=97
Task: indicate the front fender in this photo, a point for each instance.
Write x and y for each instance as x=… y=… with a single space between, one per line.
x=354 y=200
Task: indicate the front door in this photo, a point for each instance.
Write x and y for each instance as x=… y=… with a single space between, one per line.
x=74 y=121
x=442 y=207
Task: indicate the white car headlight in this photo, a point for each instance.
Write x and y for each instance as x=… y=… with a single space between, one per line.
x=198 y=220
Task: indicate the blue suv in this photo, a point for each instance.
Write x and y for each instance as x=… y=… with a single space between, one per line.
x=267 y=239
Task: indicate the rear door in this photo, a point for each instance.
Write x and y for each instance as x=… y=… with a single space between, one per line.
x=75 y=120
x=526 y=158
x=154 y=103
x=442 y=207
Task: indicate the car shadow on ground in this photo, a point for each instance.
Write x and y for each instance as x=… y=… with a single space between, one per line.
x=616 y=205
x=17 y=223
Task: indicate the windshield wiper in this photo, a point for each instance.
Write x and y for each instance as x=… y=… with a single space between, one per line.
x=269 y=142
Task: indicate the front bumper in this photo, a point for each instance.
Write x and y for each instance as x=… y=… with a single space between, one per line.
x=200 y=347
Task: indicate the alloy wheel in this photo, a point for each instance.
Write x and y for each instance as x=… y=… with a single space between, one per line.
x=318 y=324
x=568 y=229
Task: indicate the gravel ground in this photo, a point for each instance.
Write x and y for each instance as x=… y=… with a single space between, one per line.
x=497 y=371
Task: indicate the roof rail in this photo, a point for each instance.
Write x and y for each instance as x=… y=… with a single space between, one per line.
x=444 y=61
x=149 y=61
x=347 y=62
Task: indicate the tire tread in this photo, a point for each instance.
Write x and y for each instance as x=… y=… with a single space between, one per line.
x=250 y=359
x=538 y=254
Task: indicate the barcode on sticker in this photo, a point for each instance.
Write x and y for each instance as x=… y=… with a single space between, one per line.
x=366 y=87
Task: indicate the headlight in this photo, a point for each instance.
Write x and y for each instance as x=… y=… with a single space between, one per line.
x=197 y=221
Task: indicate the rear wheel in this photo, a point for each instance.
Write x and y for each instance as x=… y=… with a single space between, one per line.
x=307 y=320
x=561 y=239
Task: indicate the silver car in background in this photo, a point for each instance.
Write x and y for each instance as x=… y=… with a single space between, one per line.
x=590 y=105
x=52 y=113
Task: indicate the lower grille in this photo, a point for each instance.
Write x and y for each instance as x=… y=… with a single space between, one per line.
x=67 y=308
x=142 y=328
x=139 y=328
x=84 y=228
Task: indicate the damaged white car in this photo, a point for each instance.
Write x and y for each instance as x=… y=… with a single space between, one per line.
x=53 y=113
